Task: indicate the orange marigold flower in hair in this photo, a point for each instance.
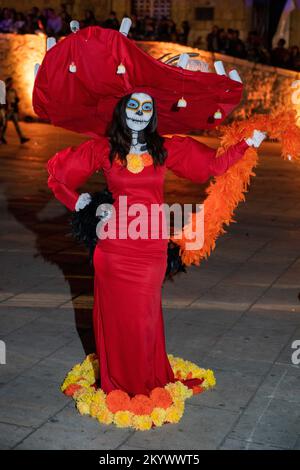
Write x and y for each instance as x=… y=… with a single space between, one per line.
x=141 y=405
x=161 y=398
x=117 y=400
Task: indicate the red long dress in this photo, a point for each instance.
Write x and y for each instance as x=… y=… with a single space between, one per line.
x=127 y=315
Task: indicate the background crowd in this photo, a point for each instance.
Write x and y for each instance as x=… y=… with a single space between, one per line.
x=220 y=40
x=253 y=49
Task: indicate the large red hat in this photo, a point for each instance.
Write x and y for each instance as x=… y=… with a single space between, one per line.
x=77 y=85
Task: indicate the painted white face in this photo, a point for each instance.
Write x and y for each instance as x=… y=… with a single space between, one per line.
x=139 y=111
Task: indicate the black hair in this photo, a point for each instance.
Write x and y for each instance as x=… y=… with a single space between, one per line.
x=120 y=135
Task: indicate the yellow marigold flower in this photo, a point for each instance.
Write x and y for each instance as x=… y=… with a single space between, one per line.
x=84 y=383
x=135 y=163
x=123 y=419
x=83 y=407
x=78 y=393
x=95 y=409
x=179 y=403
x=158 y=416
x=86 y=396
x=90 y=358
x=174 y=414
x=71 y=377
x=142 y=422
x=179 y=391
x=210 y=380
x=99 y=396
x=98 y=402
x=105 y=416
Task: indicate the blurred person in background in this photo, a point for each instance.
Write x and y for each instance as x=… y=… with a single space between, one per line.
x=222 y=41
x=66 y=18
x=135 y=31
x=163 y=31
x=89 y=19
x=2 y=123
x=54 y=23
x=19 y=25
x=212 y=39
x=294 y=59
x=7 y=20
x=280 y=55
x=112 y=21
x=12 y=112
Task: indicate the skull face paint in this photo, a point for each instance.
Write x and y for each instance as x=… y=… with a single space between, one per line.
x=139 y=111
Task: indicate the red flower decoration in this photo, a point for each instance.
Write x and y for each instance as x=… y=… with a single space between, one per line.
x=161 y=398
x=141 y=405
x=71 y=389
x=197 y=389
x=117 y=400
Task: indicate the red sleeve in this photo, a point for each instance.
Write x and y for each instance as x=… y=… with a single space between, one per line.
x=195 y=161
x=71 y=167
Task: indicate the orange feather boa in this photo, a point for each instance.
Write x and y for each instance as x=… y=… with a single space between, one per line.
x=226 y=191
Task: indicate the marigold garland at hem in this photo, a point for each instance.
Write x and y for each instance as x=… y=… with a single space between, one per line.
x=141 y=412
x=225 y=192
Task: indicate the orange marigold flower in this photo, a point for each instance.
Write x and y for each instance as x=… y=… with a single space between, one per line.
x=117 y=400
x=71 y=389
x=197 y=389
x=141 y=405
x=147 y=159
x=161 y=398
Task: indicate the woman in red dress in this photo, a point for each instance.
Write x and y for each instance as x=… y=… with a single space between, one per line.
x=129 y=272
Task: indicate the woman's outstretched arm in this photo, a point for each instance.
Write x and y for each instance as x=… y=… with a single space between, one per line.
x=197 y=162
x=71 y=167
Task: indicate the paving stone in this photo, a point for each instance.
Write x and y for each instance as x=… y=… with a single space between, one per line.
x=67 y=430
x=278 y=425
x=12 y=318
x=235 y=444
x=253 y=343
x=232 y=391
x=198 y=339
x=200 y=428
x=28 y=401
x=11 y=435
x=230 y=296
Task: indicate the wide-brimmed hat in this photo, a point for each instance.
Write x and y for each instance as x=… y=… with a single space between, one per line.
x=85 y=74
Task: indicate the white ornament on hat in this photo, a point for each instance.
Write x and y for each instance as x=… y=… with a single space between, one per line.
x=234 y=75
x=218 y=114
x=125 y=26
x=181 y=103
x=74 y=26
x=72 y=67
x=36 y=68
x=2 y=92
x=121 y=69
x=50 y=42
x=219 y=67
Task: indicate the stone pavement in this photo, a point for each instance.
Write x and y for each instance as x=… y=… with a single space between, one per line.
x=238 y=314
